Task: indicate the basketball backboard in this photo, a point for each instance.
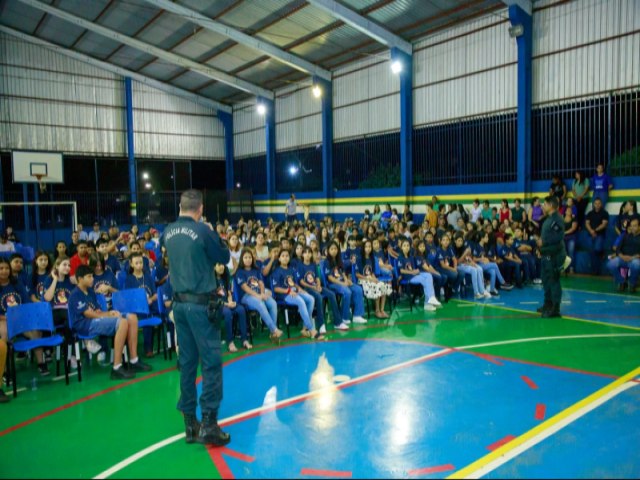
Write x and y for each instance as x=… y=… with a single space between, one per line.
x=28 y=166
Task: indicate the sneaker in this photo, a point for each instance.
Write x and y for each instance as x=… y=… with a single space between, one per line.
x=565 y=265
x=479 y=296
x=487 y=294
x=359 y=319
x=434 y=301
x=341 y=326
x=429 y=308
x=122 y=374
x=73 y=362
x=140 y=366
x=495 y=293
x=347 y=321
x=506 y=286
x=92 y=346
x=323 y=329
x=102 y=357
x=44 y=369
x=537 y=281
x=48 y=357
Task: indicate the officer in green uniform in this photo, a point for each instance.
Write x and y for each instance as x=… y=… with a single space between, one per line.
x=193 y=248
x=553 y=256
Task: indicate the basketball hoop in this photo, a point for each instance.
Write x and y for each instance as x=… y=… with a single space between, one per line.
x=41 y=184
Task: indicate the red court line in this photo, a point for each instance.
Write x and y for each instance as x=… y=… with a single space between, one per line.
x=488 y=358
x=325 y=473
x=541 y=410
x=82 y=400
x=529 y=382
x=428 y=470
x=220 y=463
x=499 y=443
x=238 y=455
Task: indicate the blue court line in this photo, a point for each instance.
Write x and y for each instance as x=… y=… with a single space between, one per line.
x=608 y=438
x=444 y=411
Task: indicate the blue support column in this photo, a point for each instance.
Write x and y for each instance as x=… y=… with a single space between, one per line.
x=227 y=122
x=327 y=138
x=133 y=178
x=518 y=17
x=270 y=132
x=36 y=196
x=406 y=121
x=27 y=228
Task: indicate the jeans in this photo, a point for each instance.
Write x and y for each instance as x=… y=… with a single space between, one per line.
x=494 y=272
x=602 y=195
x=453 y=279
x=317 y=298
x=615 y=264
x=350 y=294
x=199 y=341
x=570 y=246
x=515 y=270
x=530 y=266
x=305 y=303
x=267 y=309
x=241 y=315
x=477 y=277
x=597 y=249
x=426 y=280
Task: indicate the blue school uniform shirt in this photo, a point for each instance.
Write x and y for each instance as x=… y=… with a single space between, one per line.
x=285 y=278
x=80 y=302
x=147 y=284
x=406 y=263
x=250 y=277
x=332 y=271
x=293 y=264
x=445 y=255
x=308 y=273
x=161 y=272
x=62 y=292
x=600 y=183
x=167 y=293
x=106 y=278
x=24 y=279
x=365 y=266
x=350 y=257
x=222 y=288
x=38 y=285
x=145 y=265
x=476 y=250
x=113 y=264
x=505 y=250
x=432 y=253
x=12 y=295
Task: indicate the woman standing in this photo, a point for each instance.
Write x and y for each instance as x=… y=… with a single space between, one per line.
x=580 y=190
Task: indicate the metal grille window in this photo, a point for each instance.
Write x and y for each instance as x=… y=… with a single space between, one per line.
x=366 y=163
x=577 y=135
x=251 y=173
x=477 y=150
x=299 y=170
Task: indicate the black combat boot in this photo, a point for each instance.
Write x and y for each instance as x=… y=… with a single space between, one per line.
x=191 y=428
x=210 y=432
x=544 y=307
x=552 y=312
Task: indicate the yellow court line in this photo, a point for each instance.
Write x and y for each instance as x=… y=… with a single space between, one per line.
x=516 y=442
x=575 y=319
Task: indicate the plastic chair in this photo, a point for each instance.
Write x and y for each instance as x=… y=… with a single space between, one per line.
x=325 y=283
x=282 y=305
x=27 y=317
x=251 y=313
x=164 y=315
x=404 y=284
x=121 y=277
x=134 y=300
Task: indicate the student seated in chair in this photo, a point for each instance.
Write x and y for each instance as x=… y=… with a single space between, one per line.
x=88 y=319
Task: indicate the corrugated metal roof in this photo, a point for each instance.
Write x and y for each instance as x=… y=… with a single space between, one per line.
x=293 y=25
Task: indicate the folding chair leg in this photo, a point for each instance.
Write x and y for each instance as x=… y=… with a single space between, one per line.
x=58 y=360
x=13 y=374
x=79 y=360
x=169 y=346
x=66 y=364
x=286 y=320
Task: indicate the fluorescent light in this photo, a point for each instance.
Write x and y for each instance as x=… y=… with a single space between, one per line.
x=317 y=91
x=145 y=176
x=147 y=185
x=261 y=109
x=293 y=170
x=396 y=66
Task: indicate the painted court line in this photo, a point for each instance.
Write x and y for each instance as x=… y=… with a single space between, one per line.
x=430 y=470
x=529 y=303
x=258 y=411
x=515 y=447
x=255 y=412
x=325 y=473
x=541 y=411
x=503 y=441
x=532 y=385
x=596 y=301
x=56 y=379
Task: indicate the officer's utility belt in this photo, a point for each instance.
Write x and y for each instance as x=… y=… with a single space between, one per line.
x=197 y=298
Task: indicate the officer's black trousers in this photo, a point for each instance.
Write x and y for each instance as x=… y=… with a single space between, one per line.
x=551 y=279
x=199 y=341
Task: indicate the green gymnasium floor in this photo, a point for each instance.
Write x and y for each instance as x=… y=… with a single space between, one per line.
x=84 y=429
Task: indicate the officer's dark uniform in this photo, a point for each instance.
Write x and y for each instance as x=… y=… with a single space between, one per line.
x=553 y=254
x=193 y=250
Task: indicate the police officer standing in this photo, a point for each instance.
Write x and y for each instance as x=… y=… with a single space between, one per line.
x=553 y=257
x=193 y=248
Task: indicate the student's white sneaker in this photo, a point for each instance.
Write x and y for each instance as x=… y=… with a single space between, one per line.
x=567 y=262
x=487 y=294
x=429 y=308
x=102 y=357
x=92 y=346
x=480 y=296
x=347 y=321
x=73 y=362
x=538 y=281
x=323 y=329
x=434 y=301
x=359 y=320
x=341 y=326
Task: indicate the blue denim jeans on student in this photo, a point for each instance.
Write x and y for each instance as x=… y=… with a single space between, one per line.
x=615 y=264
x=267 y=309
x=597 y=249
x=493 y=271
x=516 y=271
x=241 y=315
x=477 y=277
x=570 y=246
x=305 y=303
x=317 y=298
x=426 y=280
x=453 y=279
x=199 y=341
x=603 y=195
x=350 y=294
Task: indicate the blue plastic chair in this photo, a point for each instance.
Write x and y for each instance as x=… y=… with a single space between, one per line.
x=325 y=283
x=164 y=315
x=134 y=300
x=403 y=283
x=251 y=313
x=283 y=306
x=121 y=278
x=25 y=318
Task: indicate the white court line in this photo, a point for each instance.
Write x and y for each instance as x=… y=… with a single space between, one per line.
x=596 y=301
x=489 y=467
x=55 y=379
x=529 y=303
x=137 y=456
x=632 y=301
